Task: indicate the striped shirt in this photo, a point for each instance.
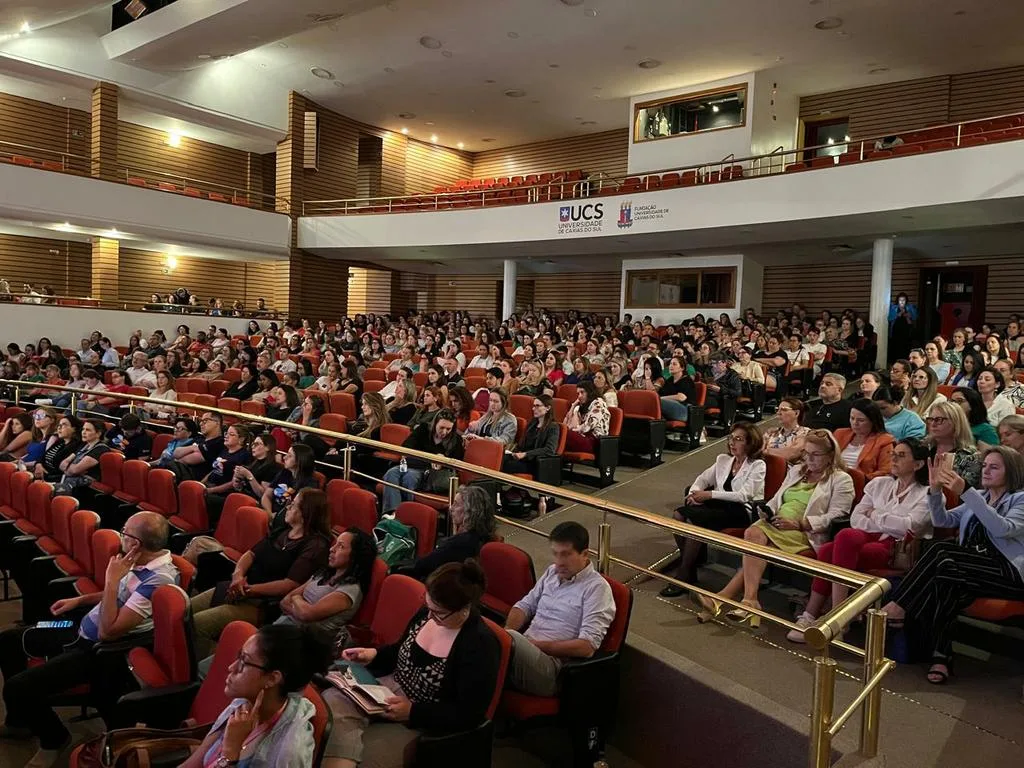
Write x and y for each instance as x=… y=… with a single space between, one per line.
x=135 y=592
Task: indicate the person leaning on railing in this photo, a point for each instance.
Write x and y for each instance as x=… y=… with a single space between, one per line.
x=893 y=507
x=814 y=494
x=985 y=560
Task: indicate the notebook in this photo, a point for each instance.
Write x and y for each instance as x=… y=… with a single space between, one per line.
x=356 y=682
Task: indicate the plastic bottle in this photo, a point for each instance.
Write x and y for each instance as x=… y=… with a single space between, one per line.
x=403 y=465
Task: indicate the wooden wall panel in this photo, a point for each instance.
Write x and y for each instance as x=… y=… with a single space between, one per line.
x=428 y=166
x=336 y=175
x=141 y=273
x=64 y=265
x=371 y=153
x=369 y=290
x=46 y=127
x=324 y=292
x=476 y=294
x=596 y=152
x=985 y=94
x=587 y=292
x=848 y=285
x=880 y=109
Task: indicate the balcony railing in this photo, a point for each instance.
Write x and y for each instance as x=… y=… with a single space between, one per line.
x=502 y=192
x=58 y=300
x=823 y=636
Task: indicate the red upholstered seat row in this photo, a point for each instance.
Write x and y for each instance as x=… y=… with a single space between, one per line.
x=235 y=198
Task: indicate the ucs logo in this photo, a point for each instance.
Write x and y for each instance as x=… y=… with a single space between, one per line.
x=587 y=212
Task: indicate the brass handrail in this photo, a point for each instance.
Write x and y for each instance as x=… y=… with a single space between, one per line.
x=825 y=633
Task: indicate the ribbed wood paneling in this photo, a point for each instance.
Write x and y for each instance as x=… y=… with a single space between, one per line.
x=848 y=285
x=882 y=109
x=337 y=172
x=62 y=264
x=392 y=160
x=526 y=289
x=47 y=127
x=407 y=290
x=269 y=161
x=1005 y=281
x=324 y=292
x=985 y=94
x=369 y=290
x=369 y=170
x=585 y=291
x=428 y=166
x=104 y=134
x=476 y=294
x=141 y=149
x=595 y=152
x=106 y=255
x=141 y=273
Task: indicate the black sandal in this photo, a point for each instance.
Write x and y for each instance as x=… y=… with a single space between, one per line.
x=940 y=671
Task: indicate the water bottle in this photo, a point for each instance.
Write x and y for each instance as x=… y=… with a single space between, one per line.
x=403 y=465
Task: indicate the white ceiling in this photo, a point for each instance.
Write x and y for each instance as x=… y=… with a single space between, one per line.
x=577 y=64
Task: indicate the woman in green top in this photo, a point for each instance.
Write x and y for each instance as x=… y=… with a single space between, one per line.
x=977 y=415
x=814 y=494
x=306 y=379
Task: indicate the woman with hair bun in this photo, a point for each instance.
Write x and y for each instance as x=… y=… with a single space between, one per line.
x=442 y=672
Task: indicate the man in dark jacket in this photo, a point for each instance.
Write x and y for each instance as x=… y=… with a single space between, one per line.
x=130 y=438
x=438 y=438
x=725 y=384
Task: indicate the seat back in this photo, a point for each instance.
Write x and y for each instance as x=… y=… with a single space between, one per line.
x=192 y=505
x=566 y=392
x=336 y=491
x=859 y=481
x=400 y=598
x=83 y=524
x=368 y=608
x=615 y=421
x=38 y=501
x=105 y=544
x=510 y=575
x=161 y=491
x=7 y=470
x=424 y=520
x=395 y=434
x=483 y=453
x=521 y=406
x=254 y=408
x=20 y=483
x=321 y=722
x=640 y=404
x=333 y=422
x=134 y=476
x=505 y=643
x=211 y=700
x=241 y=528
x=776 y=467
x=343 y=403
x=160 y=443
x=186 y=572
x=358 y=509
x=61 y=510
x=172 y=642
x=616 y=636
x=560 y=408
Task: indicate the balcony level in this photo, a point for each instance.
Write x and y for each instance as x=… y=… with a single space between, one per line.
x=960 y=175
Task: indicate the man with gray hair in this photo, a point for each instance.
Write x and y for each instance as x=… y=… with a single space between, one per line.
x=834 y=411
x=122 y=608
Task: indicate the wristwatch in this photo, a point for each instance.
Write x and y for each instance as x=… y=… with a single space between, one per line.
x=223 y=762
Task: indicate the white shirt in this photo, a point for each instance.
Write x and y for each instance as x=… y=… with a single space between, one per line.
x=1001 y=407
x=883 y=510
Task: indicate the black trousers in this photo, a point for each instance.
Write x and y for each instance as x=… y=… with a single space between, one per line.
x=947 y=579
x=715 y=515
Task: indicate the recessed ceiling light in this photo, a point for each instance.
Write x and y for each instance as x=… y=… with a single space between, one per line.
x=460 y=145
x=513 y=35
x=407 y=115
x=589 y=122
x=490 y=82
x=553 y=66
x=433 y=137
x=430 y=122
x=203 y=56
x=447 y=54
x=323 y=74
x=648 y=63
x=389 y=70
x=877 y=70
x=324 y=18
x=714 y=107
x=832 y=22
x=430 y=42
x=515 y=93
x=487 y=140
x=25 y=28
x=591 y=13
x=405 y=131
x=338 y=84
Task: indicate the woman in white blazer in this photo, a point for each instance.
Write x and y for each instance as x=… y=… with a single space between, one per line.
x=814 y=494
x=892 y=507
x=718 y=497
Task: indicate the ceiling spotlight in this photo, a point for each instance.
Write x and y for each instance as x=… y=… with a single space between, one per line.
x=204 y=56
x=429 y=122
x=434 y=137
x=832 y=22
x=446 y=54
x=515 y=93
x=513 y=35
x=460 y=145
x=714 y=107
x=173 y=139
x=407 y=115
x=488 y=140
x=648 y=63
x=591 y=13
x=25 y=28
x=323 y=74
x=430 y=42
x=405 y=131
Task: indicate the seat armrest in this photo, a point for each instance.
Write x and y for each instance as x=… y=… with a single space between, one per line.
x=125 y=644
x=164 y=707
x=588 y=685
x=549 y=470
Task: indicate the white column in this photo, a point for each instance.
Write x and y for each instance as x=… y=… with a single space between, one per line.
x=881 y=295
x=508 y=290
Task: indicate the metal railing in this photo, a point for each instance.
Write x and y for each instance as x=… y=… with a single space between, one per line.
x=163 y=181
x=88 y=302
x=822 y=636
x=779 y=160
x=40 y=157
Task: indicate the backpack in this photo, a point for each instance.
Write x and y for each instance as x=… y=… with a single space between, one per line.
x=396 y=541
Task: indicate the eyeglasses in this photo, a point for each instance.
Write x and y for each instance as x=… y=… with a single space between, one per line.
x=958 y=400
x=784 y=408
x=811 y=454
x=243 y=662
x=737 y=438
x=936 y=419
x=126 y=535
x=437 y=616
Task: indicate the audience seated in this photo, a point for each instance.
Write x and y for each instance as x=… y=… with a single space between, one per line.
x=540 y=439
x=473 y=525
x=437 y=437
x=865 y=445
x=1011 y=433
x=787 y=439
x=834 y=411
x=949 y=432
x=587 y=419
x=899 y=422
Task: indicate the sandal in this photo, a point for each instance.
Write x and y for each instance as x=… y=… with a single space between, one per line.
x=940 y=671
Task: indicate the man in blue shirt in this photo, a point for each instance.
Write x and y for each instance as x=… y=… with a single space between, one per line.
x=900 y=422
x=120 y=609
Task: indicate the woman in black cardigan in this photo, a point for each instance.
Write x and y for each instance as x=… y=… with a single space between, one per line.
x=540 y=440
x=443 y=673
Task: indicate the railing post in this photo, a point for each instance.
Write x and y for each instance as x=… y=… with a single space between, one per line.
x=874 y=655
x=822 y=701
x=131 y=406
x=346 y=463
x=453 y=488
x=604 y=547
x=74 y=404
x=17 y=395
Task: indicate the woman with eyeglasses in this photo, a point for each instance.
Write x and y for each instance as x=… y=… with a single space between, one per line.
x=892 y=506
x=267 y=724
x=185 y=431
x=865 y=445
x=255 y=478
x=986 y=559
x=787 y=439
x=718 y=497
x=923 y=393
x=61 y=444
x=443 y=673
x=539 y=441
x=977 y=415
x=83 y=466
x=949 y=432
x=815 y=493
x=276 y=565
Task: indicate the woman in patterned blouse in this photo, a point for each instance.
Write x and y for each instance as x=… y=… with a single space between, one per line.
x=587 y=419
x=787 y=439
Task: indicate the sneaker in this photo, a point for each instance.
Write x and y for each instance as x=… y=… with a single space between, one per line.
x=803 y=621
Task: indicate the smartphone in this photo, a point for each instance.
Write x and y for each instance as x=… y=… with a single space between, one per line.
x=946 y=461
x=59 y=624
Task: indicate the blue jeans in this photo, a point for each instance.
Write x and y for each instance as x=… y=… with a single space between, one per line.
x=673 y=410
x=409 y=479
